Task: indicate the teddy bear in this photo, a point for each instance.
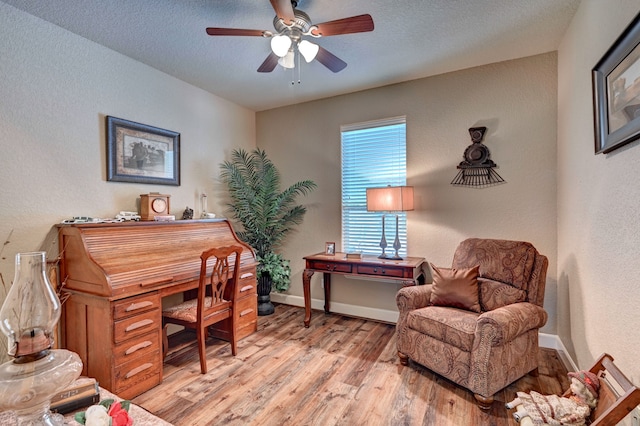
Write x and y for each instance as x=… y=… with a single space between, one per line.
x=536 y=409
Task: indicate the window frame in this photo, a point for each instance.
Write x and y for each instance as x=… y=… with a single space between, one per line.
x=361 y=230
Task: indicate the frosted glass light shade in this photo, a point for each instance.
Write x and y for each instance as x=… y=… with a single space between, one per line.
x=309 y=50
x=280 y=45
x=287 y=61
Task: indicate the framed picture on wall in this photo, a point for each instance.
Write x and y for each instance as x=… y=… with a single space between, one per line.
x=616 y=92
x=140 y=153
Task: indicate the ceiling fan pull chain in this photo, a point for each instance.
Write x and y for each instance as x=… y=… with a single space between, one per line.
x=299 y=67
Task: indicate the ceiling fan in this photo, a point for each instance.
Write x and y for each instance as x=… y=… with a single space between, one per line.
x=291 y=25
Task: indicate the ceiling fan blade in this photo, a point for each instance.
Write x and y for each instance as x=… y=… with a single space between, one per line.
x=269 y=64
x=354 y=24
x=212 y=31
x=283 y=10
x=330 y=60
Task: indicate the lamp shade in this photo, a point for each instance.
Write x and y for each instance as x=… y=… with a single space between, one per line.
x=309 y=50
x=287 y=61
x=280 y=45
x=390 y=199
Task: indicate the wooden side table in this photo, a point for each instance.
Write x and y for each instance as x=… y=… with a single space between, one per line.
x=407 y=272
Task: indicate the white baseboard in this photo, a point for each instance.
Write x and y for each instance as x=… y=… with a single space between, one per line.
x=382 y=315
x=545 y=340
x=553 y=341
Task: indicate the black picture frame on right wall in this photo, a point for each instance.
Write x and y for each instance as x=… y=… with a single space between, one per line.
x=616 y=92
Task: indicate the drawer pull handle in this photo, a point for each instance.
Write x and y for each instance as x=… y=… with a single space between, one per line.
x=137 y=347
x=137 y=370
x=246 y=275
x=140 y=305
x=246 y=288
x=246 y=312
x=382 y=271
x=139 y=324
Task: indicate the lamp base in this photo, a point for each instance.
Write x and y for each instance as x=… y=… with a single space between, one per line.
x=383 y=242
x=29 y=386
x=39 y=416
x=396 y=244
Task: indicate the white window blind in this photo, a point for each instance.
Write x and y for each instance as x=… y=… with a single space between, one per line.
x=374 y=154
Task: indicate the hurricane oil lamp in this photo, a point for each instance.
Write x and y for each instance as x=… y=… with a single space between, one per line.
x=37 y=372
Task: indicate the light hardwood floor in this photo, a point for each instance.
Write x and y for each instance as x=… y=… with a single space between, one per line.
x=339 y=371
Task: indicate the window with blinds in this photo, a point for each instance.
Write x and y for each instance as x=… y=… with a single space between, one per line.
x=374 y=154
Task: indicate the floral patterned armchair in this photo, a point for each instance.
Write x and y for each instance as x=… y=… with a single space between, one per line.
x=488 y=344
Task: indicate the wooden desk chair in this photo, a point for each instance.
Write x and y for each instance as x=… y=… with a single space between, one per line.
x=617 y=396
x=218 y=277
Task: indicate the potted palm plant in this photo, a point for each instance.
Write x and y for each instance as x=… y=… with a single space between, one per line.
x=266 y=215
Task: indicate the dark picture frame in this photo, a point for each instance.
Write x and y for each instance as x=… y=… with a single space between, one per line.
x=139 y=153
x=616 y=92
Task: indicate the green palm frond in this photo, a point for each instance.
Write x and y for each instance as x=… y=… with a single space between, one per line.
x=265 y=213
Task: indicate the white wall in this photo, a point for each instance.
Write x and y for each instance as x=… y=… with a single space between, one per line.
x=598 y=199
x=55 y=90
x=516 y=100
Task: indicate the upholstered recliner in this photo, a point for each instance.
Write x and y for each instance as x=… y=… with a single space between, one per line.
x=481 y=346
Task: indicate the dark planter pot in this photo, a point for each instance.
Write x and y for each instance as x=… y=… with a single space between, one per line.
x=265 y=307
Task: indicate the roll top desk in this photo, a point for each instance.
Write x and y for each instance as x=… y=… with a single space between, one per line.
x=116 y=275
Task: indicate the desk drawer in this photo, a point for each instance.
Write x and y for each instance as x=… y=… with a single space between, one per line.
x=134 y=305
x=136 y=325
x=321 y=265
x=248 y=310
x=247 y=284
x=141 y=370
x=384 y=271
x=246 y=330
x=138 y=346
x=247 y=307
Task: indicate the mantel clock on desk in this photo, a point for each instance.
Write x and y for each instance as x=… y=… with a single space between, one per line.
x=406 y=272
x=153 y=204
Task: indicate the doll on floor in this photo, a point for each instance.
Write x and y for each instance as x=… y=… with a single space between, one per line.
x=537 y=409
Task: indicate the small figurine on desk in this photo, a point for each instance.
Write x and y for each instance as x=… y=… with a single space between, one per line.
x=187 y=214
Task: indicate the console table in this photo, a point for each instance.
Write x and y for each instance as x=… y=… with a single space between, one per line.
x=407 y=272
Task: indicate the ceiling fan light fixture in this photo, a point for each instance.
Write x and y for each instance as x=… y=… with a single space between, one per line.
x=287 y=61
x=291 y=25
x=309 y=50
x=280 y=45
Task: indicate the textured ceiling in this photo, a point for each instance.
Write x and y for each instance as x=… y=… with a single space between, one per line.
x=412 y=39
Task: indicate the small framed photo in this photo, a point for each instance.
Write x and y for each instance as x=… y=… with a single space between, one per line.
x=140 y=153
x=330 y=248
